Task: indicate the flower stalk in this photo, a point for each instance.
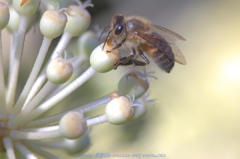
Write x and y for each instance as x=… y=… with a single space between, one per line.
x=16 y=53
x=2 y=80
x=34 y=73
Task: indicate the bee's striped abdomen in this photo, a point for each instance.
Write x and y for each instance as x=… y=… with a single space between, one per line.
x=159 y=49
x=163 y=57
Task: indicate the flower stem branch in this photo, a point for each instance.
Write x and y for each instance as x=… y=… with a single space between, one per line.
x=9 y=147
x=2 y=80
x=36 y=87
x=40 y=151
x=35 y=71
x=25 y=151
x=64 y=41
x=97 y=120
x=54 y=144
x=38 y=135
x=83 y=108
x=47 y=88
x=16 y=50
x=45 y=106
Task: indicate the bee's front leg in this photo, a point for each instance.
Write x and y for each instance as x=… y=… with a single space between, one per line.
x=124 y=61
x=129 y=60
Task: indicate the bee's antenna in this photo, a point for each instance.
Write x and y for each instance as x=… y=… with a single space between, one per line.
x=106 y=38
x=103 y=31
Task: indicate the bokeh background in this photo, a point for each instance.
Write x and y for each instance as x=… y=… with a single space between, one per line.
x=197 y=108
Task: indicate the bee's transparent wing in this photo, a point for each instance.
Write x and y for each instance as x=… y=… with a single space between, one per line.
x=178 y=55
x=171 y=38
x=170 y=35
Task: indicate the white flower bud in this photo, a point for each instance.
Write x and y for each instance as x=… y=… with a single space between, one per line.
x=4 y=15
x=118 y=110
x=59 y=70
x=26 y=7
x=103 y=60
x=14 y=20
x=51 y=4
x=78 y=20
x=72 y=125
x=52 y=23
x=79 y=145
x=133 y=83
x=87 y=42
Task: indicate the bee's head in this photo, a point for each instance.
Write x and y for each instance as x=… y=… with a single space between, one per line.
x=118 y=25
x=117 y=33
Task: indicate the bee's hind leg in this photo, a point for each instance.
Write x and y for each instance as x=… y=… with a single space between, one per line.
x=139 y=63
x=141 y=54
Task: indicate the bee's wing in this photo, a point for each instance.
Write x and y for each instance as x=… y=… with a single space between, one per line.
x=155 y=40
x=170 y=35
x=171 y=38
x=179 y=57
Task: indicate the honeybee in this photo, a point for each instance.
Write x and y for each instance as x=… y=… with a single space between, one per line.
x=141 y=36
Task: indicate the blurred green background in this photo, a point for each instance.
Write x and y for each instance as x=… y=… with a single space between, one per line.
x=197 y=106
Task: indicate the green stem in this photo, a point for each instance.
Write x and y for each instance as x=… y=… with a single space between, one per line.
x=2 y=81
x=84 y=108
x=9 y=147
x=47 y=105
x=34 y=73
x=16 y=50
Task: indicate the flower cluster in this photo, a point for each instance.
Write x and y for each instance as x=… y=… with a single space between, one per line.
x=24 y=130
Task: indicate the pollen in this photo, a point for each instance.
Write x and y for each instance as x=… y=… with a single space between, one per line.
x=114 y=95
x=23 y=2
x=55 y=16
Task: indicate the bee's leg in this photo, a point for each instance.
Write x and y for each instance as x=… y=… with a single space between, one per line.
x=128 y=60
x=143 y=56
x=138 y=63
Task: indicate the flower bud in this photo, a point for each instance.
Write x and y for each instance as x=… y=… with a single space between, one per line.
x=52 y=23
x=51 y=4
x=59 y=70
x=26 y=7
x=4 y=15
x=78 y=145
x=118 y=110
x=78 y=20
x=14 y=20
x=133 y=83
x=103 y=60
x=72 y=125
x=87 y=42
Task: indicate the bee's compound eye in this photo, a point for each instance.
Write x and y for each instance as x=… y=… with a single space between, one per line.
x=118 y=29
